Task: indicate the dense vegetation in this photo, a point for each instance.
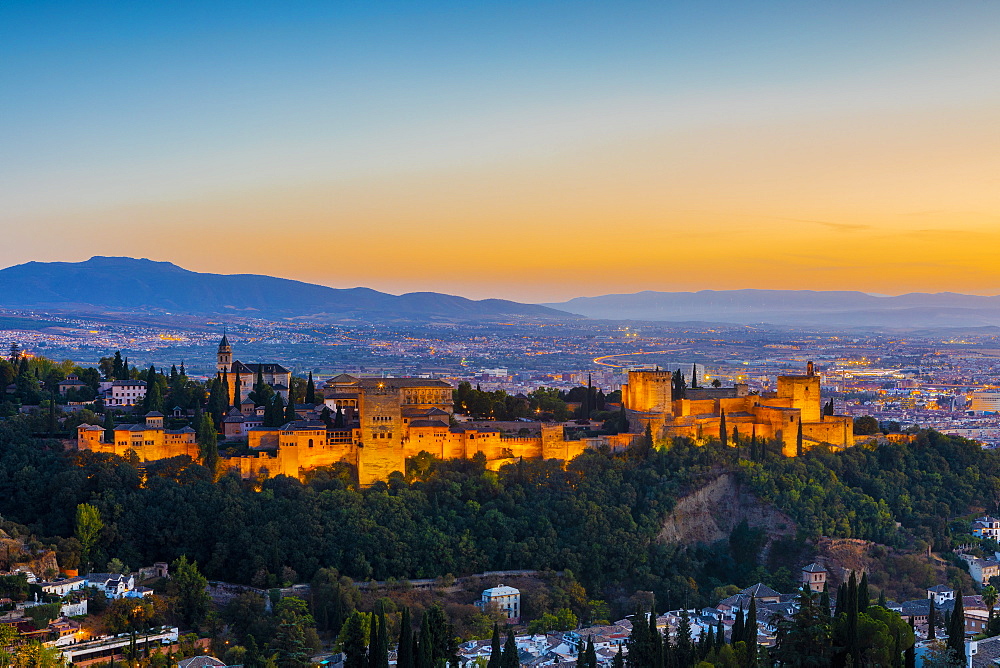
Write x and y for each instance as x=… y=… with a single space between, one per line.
x=597 y=517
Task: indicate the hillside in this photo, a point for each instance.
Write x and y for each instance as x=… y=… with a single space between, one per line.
x=103 y=284
x=711 y=513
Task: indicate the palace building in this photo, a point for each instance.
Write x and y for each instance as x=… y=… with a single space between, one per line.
x=795 y=406
x=388 y=420
x=147 y=439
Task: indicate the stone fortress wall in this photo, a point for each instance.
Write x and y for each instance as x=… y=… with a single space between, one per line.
x=402 y=417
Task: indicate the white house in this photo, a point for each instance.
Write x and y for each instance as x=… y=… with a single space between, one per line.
x=986 y=527
x=981 y=570
x=940 y=594
x=125 y=393
x=62 y=587
x=505 y=599
x=113 y=585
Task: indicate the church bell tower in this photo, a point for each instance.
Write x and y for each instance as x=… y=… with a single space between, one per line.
x=225 y=355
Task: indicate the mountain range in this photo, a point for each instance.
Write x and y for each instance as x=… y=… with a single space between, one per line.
x=794 y=308
x=140 y=286
x=116 y=284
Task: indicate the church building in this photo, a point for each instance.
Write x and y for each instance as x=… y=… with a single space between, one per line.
x=236 y=374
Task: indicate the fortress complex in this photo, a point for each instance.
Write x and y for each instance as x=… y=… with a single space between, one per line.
x=390 y=419
x=393 y=418
x=796 y=404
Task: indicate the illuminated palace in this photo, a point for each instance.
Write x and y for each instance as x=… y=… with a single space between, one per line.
x=390 y=419
x=795 y=406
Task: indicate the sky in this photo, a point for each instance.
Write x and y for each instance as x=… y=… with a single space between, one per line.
x=534 y=151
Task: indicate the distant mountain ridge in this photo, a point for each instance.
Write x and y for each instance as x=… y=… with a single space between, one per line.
x=793 y=307
x=129 y=284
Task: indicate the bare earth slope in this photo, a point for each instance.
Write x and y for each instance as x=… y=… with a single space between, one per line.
x=711 y=513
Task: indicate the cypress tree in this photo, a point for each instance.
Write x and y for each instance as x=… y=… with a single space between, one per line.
x=881 y=599
x=694 y=376
x=591 y=653
x=683 y=647
x=709 y=644
x=750 y=628
x=495 y=651
x=931 y=620
x=373 y=642
x=339 y=420
x=109 y=426
x=237 y=389
x=723 y=434
x=509 y=658
x=224 y=391
x=618 y=661
x=310 y=390
x=956 y=629
x=679 y=386
x=720 y=635
x=863 y=600
x=841 y=599
x=183 y=372
x=669 y=652
x=738 y=627
x=381 y=659
x=853 y=648
x=290 y=415
x=824 y=602
x=638 y=642
x=753 y=448
x=154 y=397
x=910 y=655
x=798 y=441
x=208 y=443
x=736 y=436
x=277 y=410
x=404 y=653
x=659 y=647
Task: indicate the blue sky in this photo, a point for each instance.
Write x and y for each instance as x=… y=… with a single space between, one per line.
x=417 y=132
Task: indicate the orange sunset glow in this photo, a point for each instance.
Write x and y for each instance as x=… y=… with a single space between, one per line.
x=844 y=158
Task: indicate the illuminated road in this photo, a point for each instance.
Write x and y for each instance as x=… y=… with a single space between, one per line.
x=600 y=360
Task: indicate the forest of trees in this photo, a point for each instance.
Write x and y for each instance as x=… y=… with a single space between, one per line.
x=598 y=516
